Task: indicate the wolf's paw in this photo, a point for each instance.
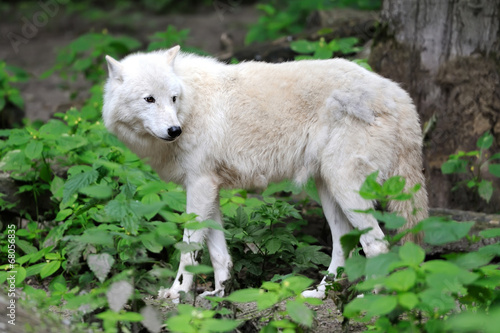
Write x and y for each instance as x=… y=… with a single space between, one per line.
x=218 y=293
x=314 y=293
x=169 y=293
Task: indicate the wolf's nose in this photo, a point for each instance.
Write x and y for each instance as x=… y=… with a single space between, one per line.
x=174 y=131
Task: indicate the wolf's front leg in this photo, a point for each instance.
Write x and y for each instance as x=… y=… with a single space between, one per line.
x=184 y=280
x=202 y=195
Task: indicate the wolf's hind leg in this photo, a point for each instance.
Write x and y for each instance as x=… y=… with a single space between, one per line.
x=344 y=184
x=219 y=255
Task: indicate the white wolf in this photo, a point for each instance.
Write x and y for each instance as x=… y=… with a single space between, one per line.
x=208 y=125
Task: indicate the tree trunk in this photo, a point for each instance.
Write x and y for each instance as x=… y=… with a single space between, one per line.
x=446 y=55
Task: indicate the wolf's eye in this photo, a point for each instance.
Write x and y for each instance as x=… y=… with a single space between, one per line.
x=174 y=98
x=150 y=99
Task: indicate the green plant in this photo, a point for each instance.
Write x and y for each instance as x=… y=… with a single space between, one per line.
x=172 y=37
x=413 y=295
x=280 y=18
x=86 y=55
x=261 y=241
x=296 y=314
x=192 y=319
x=323 y=50
x=168 y=38
x=8 y=93
x=475 y=163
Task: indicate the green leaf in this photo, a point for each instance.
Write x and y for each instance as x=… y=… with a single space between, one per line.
x=445 y=270
x=150 y=242
x=77 y=182
x=408 y=300
x=372 y=305
x=219 y=325
x=436 y=299
x=475 y=321
x=371 y=189
x=346 y=45
x=494 y=169
x=401 y=280
x=394 y=185
x=355 y=267
x=175 y=200
x=439 y=230
x=101 y=191
x=273 y=245
x=195 y=225
x=15 y=98
x=381 y=265
x=245 y=295
x=297 y=284
x=485 y=141
x=472 y=260
x=53 y=129
x=187 y=247
x=181 y=323
x=454 y=166
x=67 y=143
x=350 y=240
x=35 y=269
x=323 y=53
x=300 y=313
x=33 y=150
x=485 y=190
x=490 y=233
x=267 y=300
x=199 y=269
x=50 y=268
x=391 y=220
x=97 y=237
x=82 y=64
x=303 y=46
x=20 y=275
x=411 y=254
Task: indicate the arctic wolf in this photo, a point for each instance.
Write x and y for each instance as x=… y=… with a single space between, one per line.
x=208 y=125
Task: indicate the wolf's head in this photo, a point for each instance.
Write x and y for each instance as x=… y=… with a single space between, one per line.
x=142 y=96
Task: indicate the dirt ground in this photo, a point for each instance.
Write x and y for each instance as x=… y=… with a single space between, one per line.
x=37 y=54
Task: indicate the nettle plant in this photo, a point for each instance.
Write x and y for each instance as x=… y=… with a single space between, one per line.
x=475 y=164
x=414 y=295
x=85 y=55
x=321 y=49
x=278 y=21
x=9 y=76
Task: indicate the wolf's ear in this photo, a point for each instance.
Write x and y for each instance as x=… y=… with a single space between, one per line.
x=114 y=68
x=172 y=53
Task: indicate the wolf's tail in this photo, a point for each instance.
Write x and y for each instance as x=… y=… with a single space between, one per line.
x=408 y=164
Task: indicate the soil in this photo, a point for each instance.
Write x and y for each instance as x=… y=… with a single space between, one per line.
x=38 y=51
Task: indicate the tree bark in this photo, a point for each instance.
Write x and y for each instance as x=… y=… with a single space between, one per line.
x=446 y=54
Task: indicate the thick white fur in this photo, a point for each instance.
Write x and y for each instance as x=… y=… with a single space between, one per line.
x=253 y=123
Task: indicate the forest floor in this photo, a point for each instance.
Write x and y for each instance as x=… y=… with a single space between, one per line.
x=43 y=98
